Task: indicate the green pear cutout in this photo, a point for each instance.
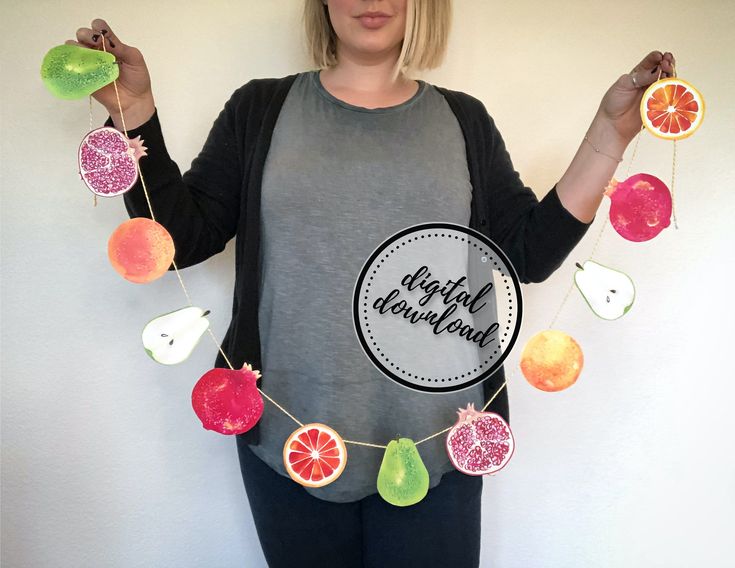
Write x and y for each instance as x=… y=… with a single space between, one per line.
x=608 y=292
x=74 y=72
x=403 y=479
x=170 y=339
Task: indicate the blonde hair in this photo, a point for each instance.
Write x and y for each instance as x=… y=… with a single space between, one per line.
x=424 y=44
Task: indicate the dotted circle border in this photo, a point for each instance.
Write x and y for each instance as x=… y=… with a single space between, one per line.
x=370 y=265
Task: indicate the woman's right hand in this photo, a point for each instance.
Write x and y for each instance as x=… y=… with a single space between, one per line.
x=133 y=83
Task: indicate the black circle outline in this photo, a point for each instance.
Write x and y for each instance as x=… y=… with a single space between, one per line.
x=399 y=235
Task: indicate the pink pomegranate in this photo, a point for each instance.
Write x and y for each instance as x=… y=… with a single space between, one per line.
x=228 y=401
x=108 y=161
x=480 y=442
x=640 y=206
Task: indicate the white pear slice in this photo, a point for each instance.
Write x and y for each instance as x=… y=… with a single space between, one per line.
x=610 y=293
x=169 y=339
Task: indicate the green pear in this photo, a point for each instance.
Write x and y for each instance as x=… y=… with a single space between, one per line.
x=610 y=293
x=74 y=72
x=403 y=479
x=169 y=339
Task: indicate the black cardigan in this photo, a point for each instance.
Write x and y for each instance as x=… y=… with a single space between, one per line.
x=219 y=198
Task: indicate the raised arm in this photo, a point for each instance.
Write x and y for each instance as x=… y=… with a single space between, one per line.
x=536 y=235
x=200 y=208
x=615 y=124
x=539 y=235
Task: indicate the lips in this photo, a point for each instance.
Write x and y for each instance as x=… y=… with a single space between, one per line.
x=373 y=21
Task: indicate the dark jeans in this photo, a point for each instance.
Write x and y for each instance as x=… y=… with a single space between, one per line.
x=298 y=530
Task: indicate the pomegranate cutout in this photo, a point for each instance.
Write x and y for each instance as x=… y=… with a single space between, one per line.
x=108 y=161
x=228 y=401
x=640 y=206
x=480 y=442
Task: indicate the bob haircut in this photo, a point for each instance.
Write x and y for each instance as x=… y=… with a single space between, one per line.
x=423 y=47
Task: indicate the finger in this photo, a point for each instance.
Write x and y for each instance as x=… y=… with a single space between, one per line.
x=649 y=62
x=668 y=65
x=664 y=70
x=640 y=79
x=87 y=37
x=108 y=37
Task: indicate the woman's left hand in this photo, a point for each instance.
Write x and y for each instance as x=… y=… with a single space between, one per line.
x=621 y=104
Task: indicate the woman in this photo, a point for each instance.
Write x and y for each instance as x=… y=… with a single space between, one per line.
x=311 y=172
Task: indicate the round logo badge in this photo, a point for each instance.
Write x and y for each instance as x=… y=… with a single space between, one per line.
x=437 y=307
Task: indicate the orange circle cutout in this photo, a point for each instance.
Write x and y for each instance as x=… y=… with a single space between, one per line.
x=551 y=360
x=672 y=109
x=314 y=455
x=140 y=250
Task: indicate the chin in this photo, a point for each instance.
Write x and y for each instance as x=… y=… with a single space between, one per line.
x=372 y=46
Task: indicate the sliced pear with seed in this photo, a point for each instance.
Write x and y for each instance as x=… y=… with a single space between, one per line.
x=170 y=339
x=608 y=292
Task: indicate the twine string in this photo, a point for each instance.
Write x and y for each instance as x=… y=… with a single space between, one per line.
x=94 y=195
x=673 y=175
x=673 y=168
x=219 y=346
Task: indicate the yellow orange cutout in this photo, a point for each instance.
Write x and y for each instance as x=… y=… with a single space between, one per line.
x=672 y=109
x=551 y=360
x=140 y=250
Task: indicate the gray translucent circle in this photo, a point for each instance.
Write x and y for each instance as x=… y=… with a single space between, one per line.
x=437 y=307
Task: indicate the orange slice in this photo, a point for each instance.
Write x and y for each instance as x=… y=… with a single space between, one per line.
x=314 y=455
x=672 y=109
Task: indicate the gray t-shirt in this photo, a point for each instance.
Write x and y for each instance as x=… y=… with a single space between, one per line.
x=339 y=179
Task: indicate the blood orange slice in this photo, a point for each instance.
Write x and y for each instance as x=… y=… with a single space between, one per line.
x=672 y=109
x=314 y=455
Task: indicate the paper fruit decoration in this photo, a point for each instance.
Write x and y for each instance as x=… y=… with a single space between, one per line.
x=551 y=360
x=403 y=479
x=74 y=72
x=108 y=161
x=672 y=109
x=480 y=442
x=314 y=455
x=608 y=292
x=640 y=207
x=140 y=250
x=169 y=339
x=228 y=401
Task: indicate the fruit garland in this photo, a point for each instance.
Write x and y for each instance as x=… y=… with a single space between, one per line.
x=228 y=401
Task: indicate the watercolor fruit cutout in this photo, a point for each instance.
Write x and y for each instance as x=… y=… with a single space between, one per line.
x=74 y=72
x=314 y=455
x=640 y=207
x=403 y=479
x=672 y=109
x=170 y=339
x=108 y=161
x=140 y=250
x=551 y=360
x=480 y=442
x=227 y=401
x=608 y=292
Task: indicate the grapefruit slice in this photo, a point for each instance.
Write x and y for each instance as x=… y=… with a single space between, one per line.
x=314 y=455
x=672 y=109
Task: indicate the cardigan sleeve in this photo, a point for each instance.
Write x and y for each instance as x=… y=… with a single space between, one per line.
x=536 y=235
x=200 y=209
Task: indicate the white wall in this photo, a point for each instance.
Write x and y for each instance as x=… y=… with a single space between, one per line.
x=104 y=463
